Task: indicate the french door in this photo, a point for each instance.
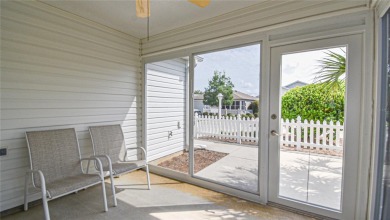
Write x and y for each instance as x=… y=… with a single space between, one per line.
x=314 y=126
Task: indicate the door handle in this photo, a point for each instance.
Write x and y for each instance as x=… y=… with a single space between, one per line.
x=274 y=133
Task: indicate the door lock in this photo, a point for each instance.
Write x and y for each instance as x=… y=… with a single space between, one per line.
x=273 y=116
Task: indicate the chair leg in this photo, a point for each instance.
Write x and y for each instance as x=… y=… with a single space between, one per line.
x=147 y=175
x=44 y=195
x=104 y=196
x=45 y=206
x=26 y=192
x=113 y=190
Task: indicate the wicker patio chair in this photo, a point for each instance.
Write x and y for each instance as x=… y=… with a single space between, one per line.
x=108 y=142
x=56 y=166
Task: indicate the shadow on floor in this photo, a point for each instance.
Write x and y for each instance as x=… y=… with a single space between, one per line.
x=167 y=199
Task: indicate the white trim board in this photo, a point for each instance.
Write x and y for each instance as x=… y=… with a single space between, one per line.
x=251 y=20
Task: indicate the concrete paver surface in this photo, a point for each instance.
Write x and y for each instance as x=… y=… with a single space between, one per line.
x=311 y=178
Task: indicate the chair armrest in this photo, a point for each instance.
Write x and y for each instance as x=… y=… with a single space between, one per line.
x=100 y=166
x=41 y=178
x=143 y=149
x=106 y=157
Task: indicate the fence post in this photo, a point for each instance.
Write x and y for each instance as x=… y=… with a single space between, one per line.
x=196 y=125
x=239 y=129
x=299 y=138
x=331 y=130
x=305 y=125
x=283 y=132
x=338 y=138
x=220 y=126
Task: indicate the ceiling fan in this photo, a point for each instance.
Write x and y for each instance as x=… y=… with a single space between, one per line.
x=143 y=6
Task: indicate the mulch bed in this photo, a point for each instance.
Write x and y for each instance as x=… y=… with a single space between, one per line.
x=231 y=141
x=203 y=158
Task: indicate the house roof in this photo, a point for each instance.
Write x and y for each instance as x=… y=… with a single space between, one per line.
x=294 y=84
x=237 y=95
x=198 y=97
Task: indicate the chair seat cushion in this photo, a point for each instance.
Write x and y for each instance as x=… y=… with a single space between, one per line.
x=66 y=185
x=124 y=167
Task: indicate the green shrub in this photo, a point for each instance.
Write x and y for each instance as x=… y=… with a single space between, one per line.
x=230 y=115
x=256 y=115
x=249 y=115
x=312 y=102
x=205 y=113
x=254 y=106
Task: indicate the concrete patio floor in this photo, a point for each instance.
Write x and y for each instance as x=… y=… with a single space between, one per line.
x=168 y=199
x=310 y=178
x=239 y=169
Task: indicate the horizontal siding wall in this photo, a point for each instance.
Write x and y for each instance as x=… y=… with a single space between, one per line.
x=263 y=15
x=166 y=107
x=61 y=71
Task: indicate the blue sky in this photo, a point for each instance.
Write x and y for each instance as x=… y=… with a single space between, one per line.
x=303 y=65
x=242 y=65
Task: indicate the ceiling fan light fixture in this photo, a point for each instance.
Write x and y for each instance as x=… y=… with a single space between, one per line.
x=142 y=8
x=200 y=3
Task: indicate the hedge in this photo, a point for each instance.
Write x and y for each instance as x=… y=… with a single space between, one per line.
x=312 y=102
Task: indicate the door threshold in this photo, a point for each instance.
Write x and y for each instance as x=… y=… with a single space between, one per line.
x=298 y=211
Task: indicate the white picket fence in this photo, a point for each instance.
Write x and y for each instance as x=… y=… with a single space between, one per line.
x=312 y=135
x=228 y=128
x=294 y=133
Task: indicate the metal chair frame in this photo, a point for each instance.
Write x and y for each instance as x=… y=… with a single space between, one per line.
x=124 y=160
x=30 y=177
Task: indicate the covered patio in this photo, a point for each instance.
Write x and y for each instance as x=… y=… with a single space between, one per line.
x=132 y=64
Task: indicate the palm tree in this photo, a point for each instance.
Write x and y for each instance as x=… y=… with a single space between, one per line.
x=332 y=70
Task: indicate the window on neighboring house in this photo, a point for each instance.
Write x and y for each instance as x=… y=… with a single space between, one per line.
x=236 y=105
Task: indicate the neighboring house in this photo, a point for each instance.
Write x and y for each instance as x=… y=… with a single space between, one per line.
x=292 y=85
x=198 y=102
x=241 y=102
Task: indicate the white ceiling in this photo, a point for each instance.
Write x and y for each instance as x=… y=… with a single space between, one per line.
x=165 y=14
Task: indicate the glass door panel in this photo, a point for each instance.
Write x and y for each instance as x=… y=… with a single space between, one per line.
x=226 y=123
x=166 y=108
x=312 y=126
x=311 y=87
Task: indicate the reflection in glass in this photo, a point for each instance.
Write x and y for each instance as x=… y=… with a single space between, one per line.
x=226 y=123
x=312 y=127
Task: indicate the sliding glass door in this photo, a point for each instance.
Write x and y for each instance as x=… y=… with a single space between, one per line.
x=226 y=117
x=167 y=114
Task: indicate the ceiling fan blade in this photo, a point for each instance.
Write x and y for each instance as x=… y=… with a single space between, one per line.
x=200 y=3
x=142 y=8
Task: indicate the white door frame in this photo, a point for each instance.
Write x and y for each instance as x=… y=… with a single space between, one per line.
x=352 y=111
x=259 y=197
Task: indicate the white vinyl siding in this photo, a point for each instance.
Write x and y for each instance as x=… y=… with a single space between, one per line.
x=61 y=71
x=166 y=107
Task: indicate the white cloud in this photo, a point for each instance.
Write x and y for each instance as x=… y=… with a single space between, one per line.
x=302 y=65
x=246 y=84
